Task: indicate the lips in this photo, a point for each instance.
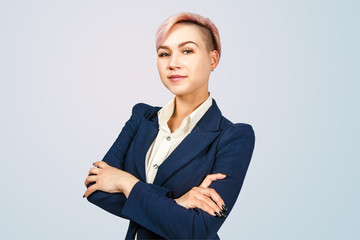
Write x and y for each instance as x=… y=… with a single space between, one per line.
x=176 y=78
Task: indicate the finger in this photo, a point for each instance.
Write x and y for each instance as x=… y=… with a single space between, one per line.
x=100 y=164
x=198 y=200
x=214 y=197
x=203 y=195
x=206 y=208
x=90 y=179
x=90 y=190
x=206 y=196
x=210 y=178
x=207 y=205
x=94 y=170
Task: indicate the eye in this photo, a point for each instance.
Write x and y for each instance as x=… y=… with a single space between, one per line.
x=164 y=54
x=187 y=51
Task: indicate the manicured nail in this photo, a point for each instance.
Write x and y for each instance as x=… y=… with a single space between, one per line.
x=217 y=214
x=84 y=196
x=223 y=214
x=228 y=175
x=224 y=208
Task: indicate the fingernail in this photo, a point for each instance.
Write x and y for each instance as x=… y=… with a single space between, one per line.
x=84 y=196
x=223 y=214
x=224 y=208
x=228 y=175
x=217 y=214
x=93 y=163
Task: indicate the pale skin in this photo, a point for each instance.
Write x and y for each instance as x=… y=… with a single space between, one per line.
x=183 y=52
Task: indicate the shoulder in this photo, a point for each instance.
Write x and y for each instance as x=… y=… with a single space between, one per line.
x=144 y=110
x=227 y=127
x=235 y=134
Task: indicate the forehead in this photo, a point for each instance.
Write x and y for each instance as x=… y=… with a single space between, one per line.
x=182 y=32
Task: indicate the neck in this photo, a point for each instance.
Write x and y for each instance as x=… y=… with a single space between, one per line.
x=186 y=104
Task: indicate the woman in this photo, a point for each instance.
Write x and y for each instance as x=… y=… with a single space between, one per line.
x=176 y=172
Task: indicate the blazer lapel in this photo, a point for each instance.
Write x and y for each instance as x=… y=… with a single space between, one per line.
x=203 y=134
x=186 y=151
x=145 y=136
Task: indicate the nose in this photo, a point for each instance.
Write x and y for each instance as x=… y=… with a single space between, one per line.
x=174 y=62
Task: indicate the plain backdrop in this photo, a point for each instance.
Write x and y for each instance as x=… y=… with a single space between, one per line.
x=70 y=72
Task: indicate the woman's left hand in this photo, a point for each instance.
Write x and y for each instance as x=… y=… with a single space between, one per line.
x=109 y=179
x=205 y=198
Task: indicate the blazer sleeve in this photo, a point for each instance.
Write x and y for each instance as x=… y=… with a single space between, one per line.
x=113 y=202
x=162 y=215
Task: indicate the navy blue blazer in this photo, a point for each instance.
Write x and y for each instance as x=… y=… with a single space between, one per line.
x=215 y=145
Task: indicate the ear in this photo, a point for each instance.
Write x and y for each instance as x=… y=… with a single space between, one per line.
x=214 y=55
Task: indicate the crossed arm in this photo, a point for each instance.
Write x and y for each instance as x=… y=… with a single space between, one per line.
x=149 y=205
x=112 y=180
x=107 y=177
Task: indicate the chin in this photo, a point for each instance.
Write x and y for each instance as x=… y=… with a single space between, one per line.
x=182 y=92
x=178 y=93
x=178 y=90
x=185 y=88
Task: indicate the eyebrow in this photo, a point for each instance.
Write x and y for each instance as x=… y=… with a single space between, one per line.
x=179 y=45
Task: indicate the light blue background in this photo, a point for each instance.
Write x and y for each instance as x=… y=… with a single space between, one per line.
x=71 y=71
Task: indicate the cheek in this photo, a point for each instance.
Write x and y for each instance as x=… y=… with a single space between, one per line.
x=201 y=67
x=162 y=71
x=160 y=67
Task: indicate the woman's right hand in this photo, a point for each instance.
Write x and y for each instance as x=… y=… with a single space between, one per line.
x=204 y=198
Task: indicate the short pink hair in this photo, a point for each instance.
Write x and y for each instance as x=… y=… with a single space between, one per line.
x=192 y=18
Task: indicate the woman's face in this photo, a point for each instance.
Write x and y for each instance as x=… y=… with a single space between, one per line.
x=183 y=62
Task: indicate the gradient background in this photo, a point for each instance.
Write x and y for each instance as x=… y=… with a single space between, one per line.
x=71 y=71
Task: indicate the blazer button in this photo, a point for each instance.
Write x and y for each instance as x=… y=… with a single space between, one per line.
x=155 y=166
x=168 y=138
